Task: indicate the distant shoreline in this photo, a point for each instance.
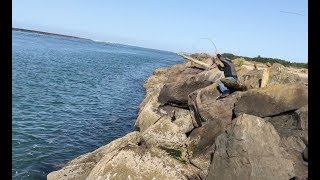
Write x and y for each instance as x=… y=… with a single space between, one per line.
x=61 y=35
x=47 y=33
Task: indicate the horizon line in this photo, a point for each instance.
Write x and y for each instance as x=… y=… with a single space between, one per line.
x=72 y=36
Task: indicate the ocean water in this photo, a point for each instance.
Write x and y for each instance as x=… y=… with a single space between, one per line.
x=71 y=96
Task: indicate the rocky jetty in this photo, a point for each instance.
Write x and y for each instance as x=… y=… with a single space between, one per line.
x=184 y=132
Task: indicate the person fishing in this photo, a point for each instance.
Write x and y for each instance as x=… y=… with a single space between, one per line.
x=229 y=73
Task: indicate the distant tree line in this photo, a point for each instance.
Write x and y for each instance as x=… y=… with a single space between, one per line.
x=266 y=60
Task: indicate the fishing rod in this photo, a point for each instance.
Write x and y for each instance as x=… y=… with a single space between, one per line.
x=211 y=42
x=214 y=47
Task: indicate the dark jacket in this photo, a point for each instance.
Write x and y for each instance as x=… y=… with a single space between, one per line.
x=228 y=69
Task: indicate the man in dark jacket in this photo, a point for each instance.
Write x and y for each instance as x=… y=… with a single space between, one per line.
x=229 y=73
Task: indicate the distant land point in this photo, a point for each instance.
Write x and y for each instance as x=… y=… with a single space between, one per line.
x=47 y=33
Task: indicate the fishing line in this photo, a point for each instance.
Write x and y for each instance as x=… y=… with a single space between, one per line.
x=292 y=13
x=211 y=42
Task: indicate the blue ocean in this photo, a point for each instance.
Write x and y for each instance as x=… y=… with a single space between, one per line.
x=71 y=96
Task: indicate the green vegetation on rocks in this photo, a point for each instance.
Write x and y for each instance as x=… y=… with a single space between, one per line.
x=266 y=60
x=176 y=153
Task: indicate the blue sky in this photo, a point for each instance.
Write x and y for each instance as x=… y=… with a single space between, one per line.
x=246 y=27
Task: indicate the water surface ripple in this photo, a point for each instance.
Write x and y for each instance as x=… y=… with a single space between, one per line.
x=71 y=96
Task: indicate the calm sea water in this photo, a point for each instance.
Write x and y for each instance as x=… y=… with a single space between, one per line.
x=71 y=96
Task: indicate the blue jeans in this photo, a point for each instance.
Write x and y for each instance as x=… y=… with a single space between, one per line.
x=222 y=87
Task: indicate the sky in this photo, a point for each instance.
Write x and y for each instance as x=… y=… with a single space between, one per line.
x=246 y=28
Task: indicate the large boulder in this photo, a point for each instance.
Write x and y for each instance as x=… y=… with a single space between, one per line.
x=242 y=71
x=206 y=107
x=293 y=138
x=278 y=74
x=295 y=147
x=176 y=93
x=250 y=149
x=233 y=85
x=206 y=58
x=272 y=100
x=134 y=162
x=80 y=167
x=164 y=133
x=200 y=145
x=211 y=116
x=148 y=114
x=149 y=108
x=252 y=79
x=180 y=117
x=183 y=75
x=211 y=75
x=289 y=124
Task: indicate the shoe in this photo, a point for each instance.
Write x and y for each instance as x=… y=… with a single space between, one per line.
x=224 y=94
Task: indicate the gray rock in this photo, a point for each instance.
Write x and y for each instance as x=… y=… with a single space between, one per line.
x=180 y=117
x=251 y=79
x=206 y=107
x=305 y=154
x=176 y=92
x=81 y=167
x=200 y=144
x=293 y=139
x=148 y=114
x=134 y=162
x=287 y=125
x=272 y=100
x=250 y=149
x=294 y=147
x=302 y=116
x=164 y=133
x=278 y=74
